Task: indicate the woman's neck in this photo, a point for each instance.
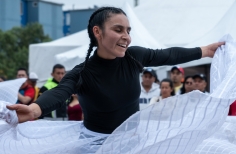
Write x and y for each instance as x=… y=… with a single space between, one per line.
x=103 y=54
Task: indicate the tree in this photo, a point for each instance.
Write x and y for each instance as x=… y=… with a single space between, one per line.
x=14 y=46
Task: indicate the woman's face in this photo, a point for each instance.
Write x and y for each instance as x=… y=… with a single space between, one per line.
x=114 y=39
x=189 y=85
x=166 y=89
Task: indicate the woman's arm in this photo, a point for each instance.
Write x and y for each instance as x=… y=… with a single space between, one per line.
x=171 y=56
x=54 y=98
x=50 y=100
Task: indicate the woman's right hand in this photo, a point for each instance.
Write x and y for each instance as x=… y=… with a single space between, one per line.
x=25 y=112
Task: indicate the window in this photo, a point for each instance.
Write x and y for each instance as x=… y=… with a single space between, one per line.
x=68 y=19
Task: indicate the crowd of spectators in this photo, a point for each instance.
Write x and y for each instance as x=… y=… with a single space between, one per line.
x=152 y=90
x=177 y=84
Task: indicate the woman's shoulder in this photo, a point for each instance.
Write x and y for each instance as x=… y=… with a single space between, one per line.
x=79 y=66
x=138 y=52
x=135 y=48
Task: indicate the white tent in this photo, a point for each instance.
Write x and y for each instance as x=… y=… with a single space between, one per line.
x=188 y=24
x=226 y=25
x=140 y=36
x=72 y=58
x=178 y=23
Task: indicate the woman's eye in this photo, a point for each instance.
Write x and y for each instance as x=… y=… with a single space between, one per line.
x=118 y=30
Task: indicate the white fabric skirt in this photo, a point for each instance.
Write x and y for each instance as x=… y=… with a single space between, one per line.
x=190 y=123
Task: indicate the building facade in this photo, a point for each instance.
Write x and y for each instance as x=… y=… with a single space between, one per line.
x=76 y=20
x=9 y=14
x=48 y=14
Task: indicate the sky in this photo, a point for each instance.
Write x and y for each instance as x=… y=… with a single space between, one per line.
x=81 y=4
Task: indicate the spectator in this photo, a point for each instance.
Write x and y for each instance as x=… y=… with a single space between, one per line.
x=188 y=85
x=149 y=88
x=22 y=73
x=74 y=110
x=200 y=82
x=167 y=90
x=2 y=78
x=177 y=75
x=58 y=72
x=33 y=81
x=26 y=93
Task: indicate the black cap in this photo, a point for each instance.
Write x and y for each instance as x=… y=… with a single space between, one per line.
x=201 y=76
x=151 y=71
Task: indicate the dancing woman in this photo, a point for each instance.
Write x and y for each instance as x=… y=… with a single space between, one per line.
x=107 y=83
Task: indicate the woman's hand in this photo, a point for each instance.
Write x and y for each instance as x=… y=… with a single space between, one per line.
x=209 y=50
x=25 y=112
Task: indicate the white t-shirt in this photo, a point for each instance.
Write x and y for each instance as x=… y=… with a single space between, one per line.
x=145 y=96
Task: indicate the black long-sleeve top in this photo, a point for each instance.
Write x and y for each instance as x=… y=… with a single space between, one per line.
x=110 y=89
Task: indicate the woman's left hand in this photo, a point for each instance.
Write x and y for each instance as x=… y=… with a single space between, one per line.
x=209 y=50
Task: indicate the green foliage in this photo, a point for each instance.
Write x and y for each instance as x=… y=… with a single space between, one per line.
x=14 y=45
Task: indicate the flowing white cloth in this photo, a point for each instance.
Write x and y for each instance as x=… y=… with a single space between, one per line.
x=183 y=124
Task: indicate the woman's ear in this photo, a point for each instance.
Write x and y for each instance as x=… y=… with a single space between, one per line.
x=97 y=32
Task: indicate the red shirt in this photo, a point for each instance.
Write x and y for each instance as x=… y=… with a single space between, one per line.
x=232 y=109
x=30 y=92
x=74 y=113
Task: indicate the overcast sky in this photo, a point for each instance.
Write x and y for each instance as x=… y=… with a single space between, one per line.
x=69 y=4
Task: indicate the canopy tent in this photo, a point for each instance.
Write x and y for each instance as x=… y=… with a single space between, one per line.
x=188 y=24
x=140 y=36
x=226 y=25
x=72 y=57
x=178 y=23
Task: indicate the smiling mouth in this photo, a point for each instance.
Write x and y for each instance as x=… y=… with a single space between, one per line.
x=121 y=45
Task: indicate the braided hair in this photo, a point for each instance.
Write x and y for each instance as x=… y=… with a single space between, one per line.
x=98 y=18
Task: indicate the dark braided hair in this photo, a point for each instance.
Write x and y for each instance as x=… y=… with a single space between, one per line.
x=98 y=18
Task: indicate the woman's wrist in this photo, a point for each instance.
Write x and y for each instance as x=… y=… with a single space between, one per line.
x=36 y=110
x=204 y=52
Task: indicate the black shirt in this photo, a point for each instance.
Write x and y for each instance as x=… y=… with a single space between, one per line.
x=110 y=90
